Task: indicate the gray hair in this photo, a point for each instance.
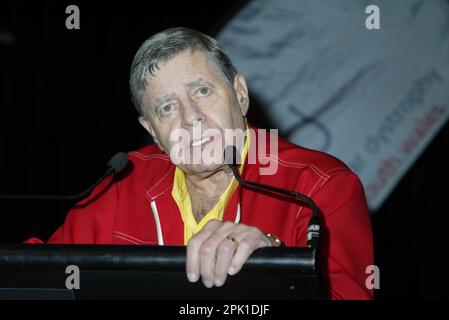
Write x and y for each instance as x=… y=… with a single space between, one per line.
x=164 y=46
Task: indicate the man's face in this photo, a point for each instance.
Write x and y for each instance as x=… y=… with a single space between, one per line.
x=188 y=96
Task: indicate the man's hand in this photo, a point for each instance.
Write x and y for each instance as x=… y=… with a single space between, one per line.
x=221 y=248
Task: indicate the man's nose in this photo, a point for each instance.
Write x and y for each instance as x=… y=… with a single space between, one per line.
x=192 y=113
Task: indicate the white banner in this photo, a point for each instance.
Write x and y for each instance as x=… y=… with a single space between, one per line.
x=374 y=98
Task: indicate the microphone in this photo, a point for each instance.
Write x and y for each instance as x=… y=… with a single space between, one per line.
x=314 y=228
x=117 y=163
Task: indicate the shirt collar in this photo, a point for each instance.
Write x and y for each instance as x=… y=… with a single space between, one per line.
x=181 y=196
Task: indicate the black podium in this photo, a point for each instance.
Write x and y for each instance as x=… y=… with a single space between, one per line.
x=150 y=272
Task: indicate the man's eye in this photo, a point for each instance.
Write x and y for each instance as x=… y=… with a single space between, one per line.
x=204 y=91
x=166 y=109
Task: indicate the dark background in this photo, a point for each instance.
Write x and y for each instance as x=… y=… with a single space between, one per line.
x=65 y=109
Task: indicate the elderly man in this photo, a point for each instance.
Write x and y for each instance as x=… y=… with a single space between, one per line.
x=189 y=96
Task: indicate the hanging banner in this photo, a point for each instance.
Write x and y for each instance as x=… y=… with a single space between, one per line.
x=368 y=84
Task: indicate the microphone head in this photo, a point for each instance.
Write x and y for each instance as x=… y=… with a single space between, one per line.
x=118 y=162
x=231 y=155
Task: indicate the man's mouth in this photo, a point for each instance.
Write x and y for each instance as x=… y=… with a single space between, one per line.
x=201 y=142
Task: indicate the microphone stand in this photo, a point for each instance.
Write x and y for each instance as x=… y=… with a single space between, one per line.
x=314 y=227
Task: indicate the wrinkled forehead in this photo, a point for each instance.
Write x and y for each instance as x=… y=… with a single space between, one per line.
x=194 y=58
x=188 y=68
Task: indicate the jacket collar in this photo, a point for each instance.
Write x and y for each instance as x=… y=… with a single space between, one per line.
x=163 y=185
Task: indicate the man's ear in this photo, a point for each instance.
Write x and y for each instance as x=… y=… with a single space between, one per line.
x=242 y=93
x=147 y=125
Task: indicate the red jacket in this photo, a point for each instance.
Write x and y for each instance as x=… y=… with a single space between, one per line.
x=137 y=207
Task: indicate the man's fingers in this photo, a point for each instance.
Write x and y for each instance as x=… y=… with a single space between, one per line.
x=219 y=249
x=195 y=248
x=193 y=252
x=225 y=253
x=208 y=253
x=244 y=250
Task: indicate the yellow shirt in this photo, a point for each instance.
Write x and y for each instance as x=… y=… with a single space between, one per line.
x=182 y=198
